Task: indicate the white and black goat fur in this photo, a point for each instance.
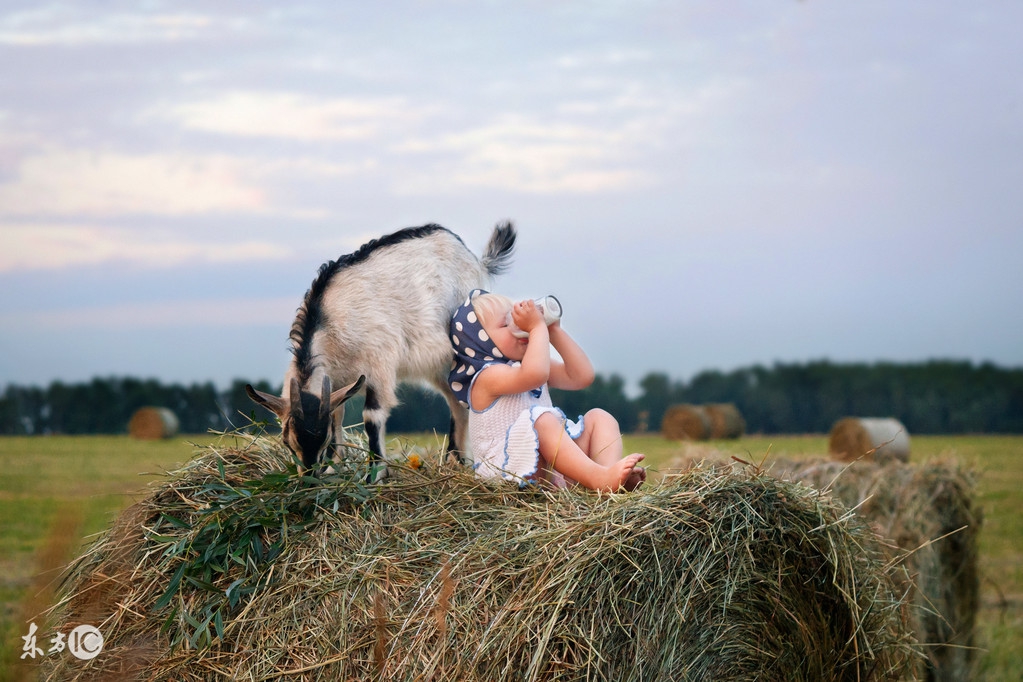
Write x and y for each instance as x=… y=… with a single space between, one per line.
x=378 y=316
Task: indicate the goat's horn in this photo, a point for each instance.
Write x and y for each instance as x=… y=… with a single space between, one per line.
x=295 y=398
x=325 y=399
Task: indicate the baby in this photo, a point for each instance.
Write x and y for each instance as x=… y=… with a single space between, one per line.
x=514 y=431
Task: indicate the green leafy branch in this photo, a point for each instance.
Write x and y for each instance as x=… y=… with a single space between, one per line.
x=220 y=537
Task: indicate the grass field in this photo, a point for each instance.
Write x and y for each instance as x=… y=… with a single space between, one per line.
x=55 y=491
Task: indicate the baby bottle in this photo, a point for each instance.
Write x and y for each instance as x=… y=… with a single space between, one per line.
x=548 y=306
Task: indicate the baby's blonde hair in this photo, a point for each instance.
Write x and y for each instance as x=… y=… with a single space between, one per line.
x=490 y=307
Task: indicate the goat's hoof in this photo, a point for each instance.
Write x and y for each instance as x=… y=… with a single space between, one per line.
x=378 y=474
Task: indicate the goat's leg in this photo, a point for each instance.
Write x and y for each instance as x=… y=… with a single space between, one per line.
x=337 y=447
x=379 y=401
x=458 y=434
x=458 y=438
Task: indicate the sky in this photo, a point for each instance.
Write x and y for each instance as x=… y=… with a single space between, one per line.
x=704 y=185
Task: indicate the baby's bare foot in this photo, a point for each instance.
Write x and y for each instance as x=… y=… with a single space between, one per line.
x=635 y=479
x=621 y=470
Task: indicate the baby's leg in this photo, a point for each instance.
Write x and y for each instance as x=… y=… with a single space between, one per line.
x=563 y=455
x=601 y=438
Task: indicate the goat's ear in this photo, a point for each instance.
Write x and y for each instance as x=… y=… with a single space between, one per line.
x=270 y=402
x=338 y=397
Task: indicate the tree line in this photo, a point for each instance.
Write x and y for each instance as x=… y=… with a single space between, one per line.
x=940 y=396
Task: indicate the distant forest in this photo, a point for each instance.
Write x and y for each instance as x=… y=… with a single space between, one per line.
x=940 y=396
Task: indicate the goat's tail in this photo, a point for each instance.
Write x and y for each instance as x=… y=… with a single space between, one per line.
x=497 y=255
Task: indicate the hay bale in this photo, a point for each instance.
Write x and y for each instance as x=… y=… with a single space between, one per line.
x=686 y=422
x=153 y=423
x=237 y=568
x=725 y=420
x=929 y=514
x=876 y=438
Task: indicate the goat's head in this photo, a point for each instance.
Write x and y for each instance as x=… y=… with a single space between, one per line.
x=307 y=422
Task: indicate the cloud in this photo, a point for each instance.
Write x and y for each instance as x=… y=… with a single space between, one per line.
x=37 y=247
x=292 y=116
x=216 y=313
x=64 y=25
x=527 y=156
x=513 y=152
x=74 y=182
x=603 y=59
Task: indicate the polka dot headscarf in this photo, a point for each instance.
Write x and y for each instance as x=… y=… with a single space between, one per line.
x=474 y=349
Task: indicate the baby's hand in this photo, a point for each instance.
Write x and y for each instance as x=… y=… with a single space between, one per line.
x=526 y=315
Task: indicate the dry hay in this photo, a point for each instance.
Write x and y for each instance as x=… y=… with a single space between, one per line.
x=928 y=511
x=153 y=423
x=725 y=420
x=686 y=422
x=875 y=438
x=237 y=568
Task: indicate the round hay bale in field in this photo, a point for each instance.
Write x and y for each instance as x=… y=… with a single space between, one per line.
x=725 y=420
x=928 y=512
x=880 y=439
x=686 y=422
x=153 y=423
x=238 y=568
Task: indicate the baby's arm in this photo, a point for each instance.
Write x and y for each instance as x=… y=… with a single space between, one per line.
x=533 y=371
x=577 y=371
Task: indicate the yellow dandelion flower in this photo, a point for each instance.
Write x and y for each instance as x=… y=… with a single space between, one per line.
x=414 y=461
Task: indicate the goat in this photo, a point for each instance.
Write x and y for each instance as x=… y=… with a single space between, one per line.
x=378 y=316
